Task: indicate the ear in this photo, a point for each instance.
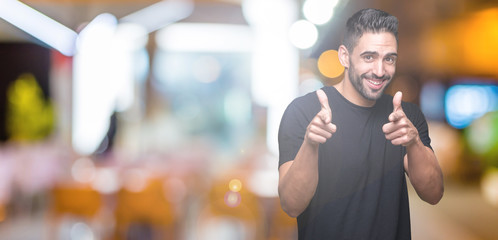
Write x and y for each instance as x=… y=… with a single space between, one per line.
x=343 y=55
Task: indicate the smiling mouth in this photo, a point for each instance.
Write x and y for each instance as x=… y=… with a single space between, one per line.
x=375 y=84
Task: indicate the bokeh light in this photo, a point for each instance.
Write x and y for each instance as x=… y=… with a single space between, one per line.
x=489 y=186
x=83 y=170
x=134 y=179
x=329 y=65
x=106 y=180
x=319 y=11
x=465 y=103
x=235 y=185
x=482 y=136
x=232 y=199
x=81 y=231
x=309 y=84
x=303 y=34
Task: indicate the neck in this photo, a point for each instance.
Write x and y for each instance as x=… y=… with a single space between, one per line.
x=346 y=89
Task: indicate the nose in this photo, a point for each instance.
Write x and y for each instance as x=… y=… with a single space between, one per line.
x=378 y=68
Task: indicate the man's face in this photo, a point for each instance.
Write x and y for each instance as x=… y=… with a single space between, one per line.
x=372 y=64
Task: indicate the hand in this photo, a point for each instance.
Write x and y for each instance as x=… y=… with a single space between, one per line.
x=321 y=128
x=399 y=130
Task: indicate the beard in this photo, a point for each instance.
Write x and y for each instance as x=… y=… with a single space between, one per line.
x=365 y=92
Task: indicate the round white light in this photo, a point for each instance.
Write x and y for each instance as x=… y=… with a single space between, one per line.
x=303 y=34
x=319 y=11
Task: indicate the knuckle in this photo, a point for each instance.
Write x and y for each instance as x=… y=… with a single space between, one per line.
x=404 y=131
x=313 y=129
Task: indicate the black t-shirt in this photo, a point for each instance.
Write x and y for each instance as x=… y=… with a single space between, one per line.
x=361 y=192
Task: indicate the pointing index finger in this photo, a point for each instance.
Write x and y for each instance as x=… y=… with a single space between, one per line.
x=325 y=112
x=324 y=100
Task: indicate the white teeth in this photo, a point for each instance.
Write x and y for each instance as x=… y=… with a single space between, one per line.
x=374 y=83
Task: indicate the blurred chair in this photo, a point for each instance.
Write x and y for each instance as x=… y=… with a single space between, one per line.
x=3 y=212
x=229 y=214
x=144 y=214
x=74 y=201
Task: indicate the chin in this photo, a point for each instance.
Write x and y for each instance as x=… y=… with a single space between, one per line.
x=373 y=96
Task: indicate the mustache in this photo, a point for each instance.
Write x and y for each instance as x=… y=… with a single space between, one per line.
x=373 y=76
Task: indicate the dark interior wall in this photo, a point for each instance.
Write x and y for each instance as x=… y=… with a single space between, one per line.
x=16 y=59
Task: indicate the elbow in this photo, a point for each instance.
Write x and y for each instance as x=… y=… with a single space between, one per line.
x=290 y=209
x=433 y=201
x=291 y=212
x=439 y=197
x=436 y=197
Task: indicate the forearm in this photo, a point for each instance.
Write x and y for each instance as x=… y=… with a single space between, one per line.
x=424 y=172
x=297 y=183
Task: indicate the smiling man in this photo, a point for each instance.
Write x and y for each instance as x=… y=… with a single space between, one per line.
x=345 y=149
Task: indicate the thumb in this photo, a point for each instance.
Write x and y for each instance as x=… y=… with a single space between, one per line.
x=324 y=102
x=397 y=101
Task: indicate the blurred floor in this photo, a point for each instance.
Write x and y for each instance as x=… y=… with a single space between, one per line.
x=462 y=214
x=24 y=228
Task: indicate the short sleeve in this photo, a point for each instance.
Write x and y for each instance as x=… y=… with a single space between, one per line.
x=292 y=129
x=416 y=116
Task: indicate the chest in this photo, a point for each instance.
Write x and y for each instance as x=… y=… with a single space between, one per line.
x=359 y=152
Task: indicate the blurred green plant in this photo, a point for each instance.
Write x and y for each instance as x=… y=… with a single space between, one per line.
x=482 y=138
x=29 y=116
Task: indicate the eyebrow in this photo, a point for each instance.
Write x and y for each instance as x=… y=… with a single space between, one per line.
x=376 y=53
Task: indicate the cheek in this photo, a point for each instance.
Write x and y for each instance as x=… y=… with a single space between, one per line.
x=361 y=69
x=391 y=69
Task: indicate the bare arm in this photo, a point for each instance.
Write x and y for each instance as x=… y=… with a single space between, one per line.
x=420 y=161
x=299 y=178
x=424 y=172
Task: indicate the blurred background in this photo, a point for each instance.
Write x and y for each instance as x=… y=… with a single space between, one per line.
x=127 y=119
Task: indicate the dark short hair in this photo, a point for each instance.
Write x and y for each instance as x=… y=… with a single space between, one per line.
x=368 y=20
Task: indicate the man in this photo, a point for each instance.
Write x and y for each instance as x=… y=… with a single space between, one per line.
x=345 y=149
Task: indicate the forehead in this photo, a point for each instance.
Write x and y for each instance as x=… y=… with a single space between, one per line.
x=383 y=43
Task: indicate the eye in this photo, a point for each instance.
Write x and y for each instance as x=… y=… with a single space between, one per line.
x=368 y=58
x=390 y=60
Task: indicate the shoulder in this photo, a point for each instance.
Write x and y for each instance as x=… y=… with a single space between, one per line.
x=309 y=104
x=308 y=98
x=301 y=110
x=305 y=103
